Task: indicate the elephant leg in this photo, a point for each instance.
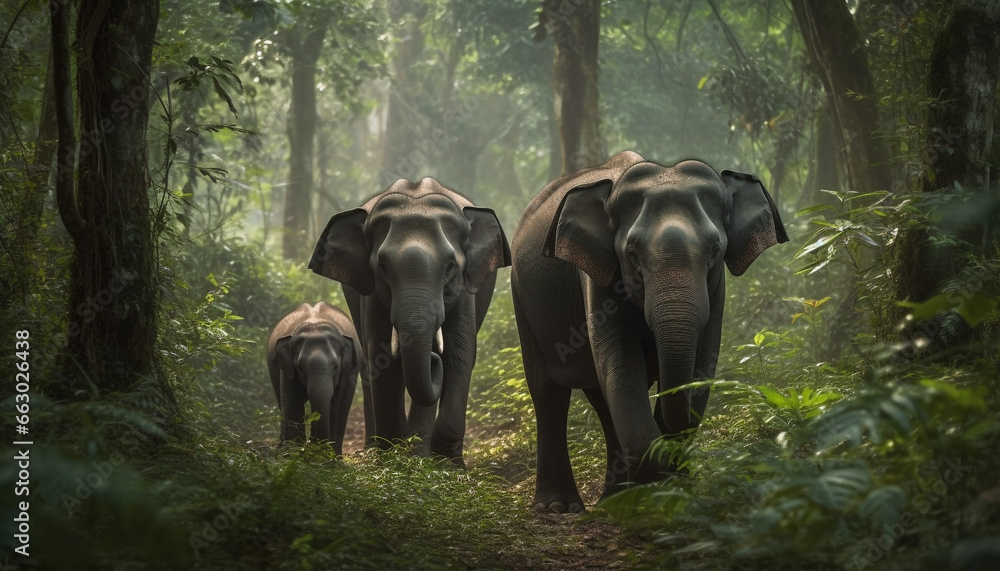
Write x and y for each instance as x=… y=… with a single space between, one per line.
x=617 y=468
x=448 y=439
x=353 y=299
x=555 y=489
x=366 y=390
x=389 y=406
x=292 y=402
x=386 y=374
x=421 y=423
x=341 y=409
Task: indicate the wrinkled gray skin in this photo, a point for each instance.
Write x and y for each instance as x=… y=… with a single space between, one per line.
x=420 y=260
x=312 y=355
x=618 y=285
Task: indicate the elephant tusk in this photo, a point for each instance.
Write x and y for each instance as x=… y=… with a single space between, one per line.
x=394 y=343
x=439 y=339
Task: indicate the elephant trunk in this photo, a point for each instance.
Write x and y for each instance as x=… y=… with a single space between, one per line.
x=320 y=376
x=677 y=318
x=419 y=340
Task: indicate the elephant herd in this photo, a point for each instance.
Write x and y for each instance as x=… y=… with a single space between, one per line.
x=617 y=285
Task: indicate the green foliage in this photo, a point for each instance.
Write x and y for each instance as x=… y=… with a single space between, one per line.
x=862 y=220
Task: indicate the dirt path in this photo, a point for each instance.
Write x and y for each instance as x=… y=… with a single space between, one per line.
x=555 y=541
x=571 y=544
x=354 y=436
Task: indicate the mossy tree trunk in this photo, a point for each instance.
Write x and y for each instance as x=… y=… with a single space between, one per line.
x=963 y=78
x=103 y=193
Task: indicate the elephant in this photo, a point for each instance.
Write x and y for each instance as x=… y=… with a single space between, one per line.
x=417 y=263
x=313 y=354
x=617 y=286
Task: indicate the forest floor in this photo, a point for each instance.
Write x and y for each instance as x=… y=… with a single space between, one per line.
x=552 y=541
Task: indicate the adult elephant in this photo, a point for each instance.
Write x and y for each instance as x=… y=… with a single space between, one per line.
x=312 y=355
x=418 y=264
x=618 y=285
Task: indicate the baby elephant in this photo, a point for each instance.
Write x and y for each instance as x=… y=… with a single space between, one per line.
x=312 y=354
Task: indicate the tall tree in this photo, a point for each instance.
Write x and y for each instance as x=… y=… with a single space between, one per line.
x=837 y=52
x=403 y=122
x=103 y=189
x=963 y=78
x=576 y=28
x=304 y=41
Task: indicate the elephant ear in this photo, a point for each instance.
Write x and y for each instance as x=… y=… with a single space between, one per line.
x=580 y=234
x=341 y=253
x=348 y=359
x=283 y=356
x=754 y=224
x=487 y=249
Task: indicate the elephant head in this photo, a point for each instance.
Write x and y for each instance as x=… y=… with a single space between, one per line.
x=665 y=232
x=314 y=360
x=418 y=251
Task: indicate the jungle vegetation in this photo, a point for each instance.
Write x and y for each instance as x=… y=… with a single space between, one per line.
x=166 y=166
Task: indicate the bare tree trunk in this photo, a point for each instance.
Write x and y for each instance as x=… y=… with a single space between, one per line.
x=400 y=156
x=824 y=171
x=192 y=144
x=837 y=51
x=576 y=28
x=306 y=39
x=963 y=76
x=113 y=290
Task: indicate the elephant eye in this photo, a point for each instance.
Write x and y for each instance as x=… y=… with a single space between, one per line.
x=633 y=257
x=383 y=272
x=449 y=272
x=714 y=254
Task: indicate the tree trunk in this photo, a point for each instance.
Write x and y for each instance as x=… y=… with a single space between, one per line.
x=576 y=28
x=400 y=156
x=824 y=172
x=306 y=42
x=191 y=144
x=838 y=53
x=963 y=77
x=113 y=291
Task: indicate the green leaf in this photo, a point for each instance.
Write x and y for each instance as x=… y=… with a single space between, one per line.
x=823 y=241
x=702 y=82
x=221 y=92
x=974 y=308
x=836 y=489
x=883 y=506
x=758 y=338
x=815 y=208
x=777 y=399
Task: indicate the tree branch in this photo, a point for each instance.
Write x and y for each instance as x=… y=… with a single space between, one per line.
x=65 y=156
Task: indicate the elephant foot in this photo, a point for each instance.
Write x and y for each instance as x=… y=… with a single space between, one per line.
x=456 y=462
x=558 y=505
